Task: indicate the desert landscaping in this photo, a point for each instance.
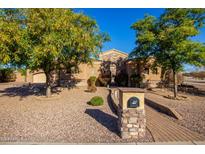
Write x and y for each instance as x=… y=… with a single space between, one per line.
x=63 y=82
x=66 y=119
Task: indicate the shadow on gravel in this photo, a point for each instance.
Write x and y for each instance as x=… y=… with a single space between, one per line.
x=23 y=91
x=108 y=121
x=109 y=100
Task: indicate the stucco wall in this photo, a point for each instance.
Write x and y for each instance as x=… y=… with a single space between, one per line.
x=133 y=67
x=19 y=77
x=39 y=77
x=112 y=55
x=86 y=71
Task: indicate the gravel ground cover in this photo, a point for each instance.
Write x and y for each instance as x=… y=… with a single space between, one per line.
x=192 y=109
x=69 y=119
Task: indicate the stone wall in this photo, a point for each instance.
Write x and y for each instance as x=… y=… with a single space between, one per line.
x=132 y=123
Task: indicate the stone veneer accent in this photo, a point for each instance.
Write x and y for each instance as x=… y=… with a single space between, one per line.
x=132 y=123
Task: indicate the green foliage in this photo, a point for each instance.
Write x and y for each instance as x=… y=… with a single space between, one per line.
x=92 y=80
x=61 y=36
x=176 y=27
x=145 y=38
x=22 y=71
x=96 y=101
x=48 y=39
x=122 y=79
x=136 y=80
x=11 y=37
x=168 y=39
x=102 y=81
x=7 y=75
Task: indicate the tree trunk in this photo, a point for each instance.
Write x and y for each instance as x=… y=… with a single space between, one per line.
x=59 y=77
x=48 y=91
x=175 y=83
x=48 y=85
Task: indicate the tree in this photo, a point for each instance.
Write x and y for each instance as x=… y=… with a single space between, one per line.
x=146 y=43
x=60 y=38
x=168 y=39
x=11 y=37
x=48 y=39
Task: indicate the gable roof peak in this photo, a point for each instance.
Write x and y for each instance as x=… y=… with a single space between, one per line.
x=116 y=51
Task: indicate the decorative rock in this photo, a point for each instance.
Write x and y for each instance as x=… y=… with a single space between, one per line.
x=132 y=123
x=132 y=120
x=129 y=125
x=132 y=129
x=136 y=126
x=125 y=129
x=134 y=133
x=124 y=125
x=125 y=135
x=124 y=120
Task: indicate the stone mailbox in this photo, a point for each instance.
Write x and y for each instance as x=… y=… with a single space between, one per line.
x=133 y=102
x=132 y=121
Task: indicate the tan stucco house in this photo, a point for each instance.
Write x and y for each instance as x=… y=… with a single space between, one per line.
x=110 y=63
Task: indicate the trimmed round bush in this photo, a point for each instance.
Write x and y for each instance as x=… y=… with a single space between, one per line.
x=96 y=101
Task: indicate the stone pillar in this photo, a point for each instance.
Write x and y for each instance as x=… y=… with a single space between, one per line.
x=131 y=121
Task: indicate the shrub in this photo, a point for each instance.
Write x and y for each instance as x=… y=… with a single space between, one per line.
x=91 y=84
x=102 y=81
x=7 y=75
x=96 y=101
x=136 y=80
x=122 y=79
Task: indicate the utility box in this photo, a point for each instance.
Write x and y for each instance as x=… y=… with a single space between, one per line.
x=131 y=112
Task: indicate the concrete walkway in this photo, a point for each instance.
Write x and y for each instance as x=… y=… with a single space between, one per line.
x=165 y=130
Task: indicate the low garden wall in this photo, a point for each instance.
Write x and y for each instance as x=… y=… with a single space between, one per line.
x=114 y=96
x=163 y=108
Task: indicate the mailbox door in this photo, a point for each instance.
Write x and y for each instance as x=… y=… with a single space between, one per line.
x=133 y=102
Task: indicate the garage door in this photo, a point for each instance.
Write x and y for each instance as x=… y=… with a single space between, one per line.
x=39 y=78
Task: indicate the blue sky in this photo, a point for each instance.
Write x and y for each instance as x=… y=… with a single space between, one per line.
x=117 y=22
